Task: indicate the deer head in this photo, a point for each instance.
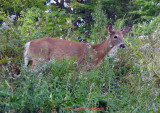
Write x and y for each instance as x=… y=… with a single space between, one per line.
x=116 y=36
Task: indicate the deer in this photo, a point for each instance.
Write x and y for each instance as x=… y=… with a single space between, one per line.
x=53 y=48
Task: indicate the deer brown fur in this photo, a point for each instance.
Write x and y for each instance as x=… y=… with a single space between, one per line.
x=48 y=48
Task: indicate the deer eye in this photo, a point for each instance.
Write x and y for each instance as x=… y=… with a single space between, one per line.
x=115 y=37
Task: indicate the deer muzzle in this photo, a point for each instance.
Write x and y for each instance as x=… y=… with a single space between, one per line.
x=122 y=46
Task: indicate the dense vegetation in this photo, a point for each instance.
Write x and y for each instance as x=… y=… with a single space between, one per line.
x=127 y=82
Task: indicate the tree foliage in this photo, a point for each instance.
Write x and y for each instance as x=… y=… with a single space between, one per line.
x=16 y=6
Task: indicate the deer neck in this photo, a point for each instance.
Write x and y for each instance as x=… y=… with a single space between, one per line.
x=104 y=47
x=100 y=50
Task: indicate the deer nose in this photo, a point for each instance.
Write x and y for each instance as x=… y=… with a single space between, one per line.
x=122 y=46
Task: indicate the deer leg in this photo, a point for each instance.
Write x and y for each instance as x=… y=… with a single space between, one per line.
x=34 y=63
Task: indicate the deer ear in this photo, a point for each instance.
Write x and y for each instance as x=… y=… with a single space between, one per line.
x=126 y=29
x=110 y=28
